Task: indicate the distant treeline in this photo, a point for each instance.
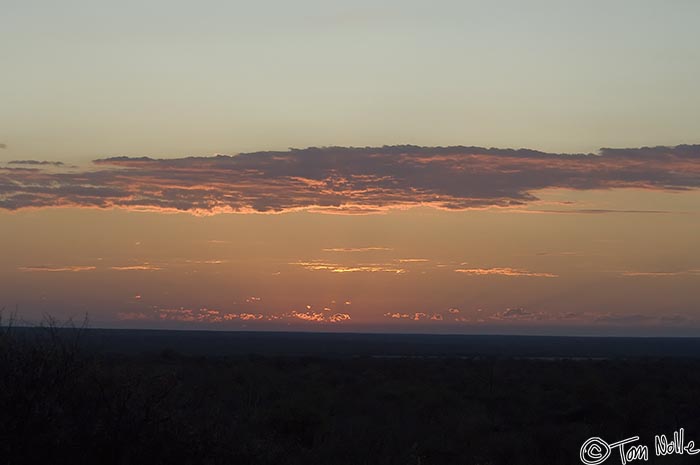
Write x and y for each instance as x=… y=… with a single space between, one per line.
x=223 y=343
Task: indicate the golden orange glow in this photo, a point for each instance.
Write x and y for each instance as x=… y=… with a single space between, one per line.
x=423 y=269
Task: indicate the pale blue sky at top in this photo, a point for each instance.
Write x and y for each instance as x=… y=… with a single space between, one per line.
x=88 y=79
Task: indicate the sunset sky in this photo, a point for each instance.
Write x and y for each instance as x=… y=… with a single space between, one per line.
x=462 y=167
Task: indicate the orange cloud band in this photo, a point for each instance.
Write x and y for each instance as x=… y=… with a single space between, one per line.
x=344 y=180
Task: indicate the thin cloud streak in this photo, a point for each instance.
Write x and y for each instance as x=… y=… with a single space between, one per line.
x=144 y=267
x=512 y=272
x=35 y=162
x=599 y=211
x=356 y=249
x=360 y=268
x=694 y=272
x=55 y=269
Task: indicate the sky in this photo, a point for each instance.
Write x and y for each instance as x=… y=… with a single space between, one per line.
x=450 y=167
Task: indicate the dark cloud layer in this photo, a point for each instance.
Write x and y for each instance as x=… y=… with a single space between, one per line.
x=348 y=180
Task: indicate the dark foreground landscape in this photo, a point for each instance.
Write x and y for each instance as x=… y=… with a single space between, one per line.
x=157 y=397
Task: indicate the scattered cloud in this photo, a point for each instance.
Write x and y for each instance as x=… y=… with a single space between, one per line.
x=517 y=313
x=190 y=315
x=338 y=317
x=209 y=315
x=511 y=315
x=513 y=272
x=246 y=316
x=521 y=315
x=318 y=317
x=415 y=316
x=349 y=180
x=397 y=315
